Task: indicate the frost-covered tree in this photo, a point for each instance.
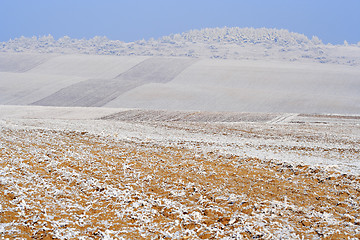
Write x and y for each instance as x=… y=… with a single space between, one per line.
x=225 y=43
x=316 y=41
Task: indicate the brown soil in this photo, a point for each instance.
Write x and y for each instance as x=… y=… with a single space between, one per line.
x=57 y=184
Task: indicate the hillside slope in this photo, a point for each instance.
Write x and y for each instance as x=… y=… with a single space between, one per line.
x=252 y=86
x=178 y=84
x=222 y=69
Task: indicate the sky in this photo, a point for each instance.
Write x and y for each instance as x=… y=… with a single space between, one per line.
x=333 y=21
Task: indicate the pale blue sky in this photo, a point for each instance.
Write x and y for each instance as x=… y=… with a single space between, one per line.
x=128 y=20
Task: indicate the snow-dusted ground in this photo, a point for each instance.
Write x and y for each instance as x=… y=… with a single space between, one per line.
x=178 y=83
x=222 y=69
x=131 y=173
x=98 y=92
x=87 y=66
x=330 y=141
x=128 y=171
x=252 y=86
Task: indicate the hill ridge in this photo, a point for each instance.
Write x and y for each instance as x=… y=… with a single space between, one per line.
x=223 y=43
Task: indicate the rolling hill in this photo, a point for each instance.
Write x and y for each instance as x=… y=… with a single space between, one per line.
x=210 y=134
x=227 y=69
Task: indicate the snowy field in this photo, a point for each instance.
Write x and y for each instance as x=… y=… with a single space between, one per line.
x=222 y=133
x=220 y=69
x=252 y=86
x=321 y=140
x=178 y=83
x=130 y=173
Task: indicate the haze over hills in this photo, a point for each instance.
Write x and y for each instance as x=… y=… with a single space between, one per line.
x=221 y=69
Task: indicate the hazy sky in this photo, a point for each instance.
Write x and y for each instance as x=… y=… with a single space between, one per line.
x=128 y=20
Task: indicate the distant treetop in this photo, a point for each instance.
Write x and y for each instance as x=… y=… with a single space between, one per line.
x=222 y=43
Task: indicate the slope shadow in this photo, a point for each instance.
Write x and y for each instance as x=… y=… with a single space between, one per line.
x=19 y=63
x=98 y=92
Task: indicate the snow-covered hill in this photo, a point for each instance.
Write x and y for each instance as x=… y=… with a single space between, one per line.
x=148 y=164
x=221 y=69
x=178 y=83
x=223 y=43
